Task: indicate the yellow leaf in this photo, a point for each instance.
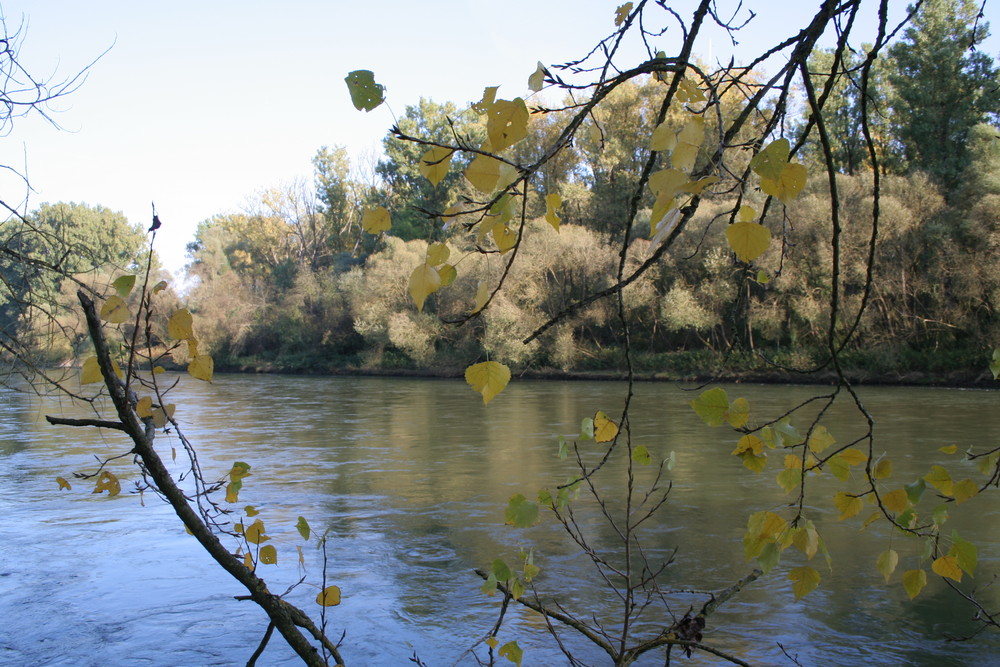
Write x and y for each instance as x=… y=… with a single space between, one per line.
x=688 y=91
x=950 y=449
x=91 y=371
x=712 y=405
x=492 y=642
x=820 y=439
x=302 y=558
x=63 y=484
x=115 y=310
x=738 y=413
x=159 y=369
x=697 y=187
x=771 y=161
x=886 y=563
x=424 y=281
x=180 y=325
x=159 y=287
x=872 y=518
x=435 y=163
x=853 y=456
x=896 y=501
x=483 y=173
x=123 y=285
x=488 y=378
x=805 y=579
x=448 y=274
x=848 y=505
x=161 y=415
x=537 y=79
x=746 y=214
x=621 y=14
x=914 y=581
x=437 y=253
x=254 y=533
x=489 y=95
x=689 y=140
x=789 y=479
x=883 y=469
x=806 y=539
x=964 y=490
x=144 y=407
x=664 y=138
x=202 y=367
x=788 y=185
x=504 y=237
x=482 y=295
x=251 y=511
x=939 y=478
x=107 y=481
x=947 y=566
x=328 y=597
x=793 y=462
x=667 y=182
x=749 y=443
x=248 y=562
x=748 y=240
x=552 y=204
x=268 y=555
x=605 y=430
x=507 y=123
x=376 y=220
x=233 y=492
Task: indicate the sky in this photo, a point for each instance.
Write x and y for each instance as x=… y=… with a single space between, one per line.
x=197 y=105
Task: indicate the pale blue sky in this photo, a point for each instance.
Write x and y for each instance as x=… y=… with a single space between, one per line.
x=198 y=104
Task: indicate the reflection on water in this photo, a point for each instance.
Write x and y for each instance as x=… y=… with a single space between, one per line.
x=410 y=479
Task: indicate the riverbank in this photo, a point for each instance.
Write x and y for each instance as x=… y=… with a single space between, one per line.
x=759 y=373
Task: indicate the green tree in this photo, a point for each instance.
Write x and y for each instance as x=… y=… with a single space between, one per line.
x=943 y=88
x=408 y=194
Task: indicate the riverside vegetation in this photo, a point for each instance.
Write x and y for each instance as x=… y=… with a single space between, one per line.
x=656 y=207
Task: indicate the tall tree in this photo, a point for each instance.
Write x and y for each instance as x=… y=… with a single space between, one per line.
x=943 y=88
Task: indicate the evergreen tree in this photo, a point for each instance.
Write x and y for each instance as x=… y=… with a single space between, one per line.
x=943 y=88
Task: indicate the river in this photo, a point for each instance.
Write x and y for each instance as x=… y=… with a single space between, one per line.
x=409 y=479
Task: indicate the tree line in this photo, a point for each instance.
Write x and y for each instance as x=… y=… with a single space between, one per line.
x=292 y=281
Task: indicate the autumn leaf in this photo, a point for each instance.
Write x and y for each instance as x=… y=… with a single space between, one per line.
x=848 y=505
x=123 y=285
x=488 y=378
x=482 y=295
x=424 y=281
x=504 y=237
x=621 y=14
x=605 y=430
x=537 y=80
x=180 y=325
x=115 y=310
x=91 y=371
x=689 y=92
x=883 y=469
x=303 y=527
x=435 y=163
x=365 y=93
x=738 y=413
x=437 y=253
x=107 y=481
x=966 y=554
x=939 y=478
x=664 y=138
x=507 y=123
x=63 y=484
x=162 y=414
x=552 y=204
x=748 y=240
x=896 y=501
x=789 y=183
x=254 y=533
x=202 y=367
x=947 y=566
x=886 y=563
x=483 y=173
x=268 y=555
x=512 y=652
x=964 y=490
x=771 y=161
x=804 y=580
x=489 y=96
x=376 y=220
x=914 y=582
x=328 y=597
x=820 y=439
x=640 y=454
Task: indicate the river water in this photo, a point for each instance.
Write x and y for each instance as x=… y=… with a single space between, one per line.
x=409 y=479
